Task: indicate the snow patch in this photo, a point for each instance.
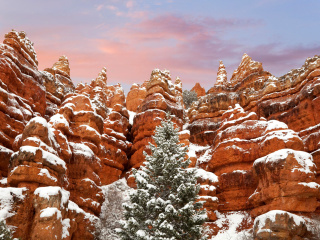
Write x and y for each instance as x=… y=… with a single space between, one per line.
x=49 y=212
x=131 y=116
x=193 y=148
x=45 y=172
x=274 y=124
x=82 y=149
x=65 y=228
x=229 y=223
x=310 y=184
x=8 y=197
x=260 y=221
x=4 y=181
x=47 y=192
x=304 y=159
x=205 y=175
x=58 y=119
x=49 y=157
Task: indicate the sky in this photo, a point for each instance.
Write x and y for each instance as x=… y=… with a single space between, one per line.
x=188 y=37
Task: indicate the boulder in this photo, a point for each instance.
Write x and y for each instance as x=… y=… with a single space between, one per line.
x=286 y=182
x=278 y=224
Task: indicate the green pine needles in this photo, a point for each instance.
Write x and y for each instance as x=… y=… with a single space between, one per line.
x=5 y=234
x=164 y=207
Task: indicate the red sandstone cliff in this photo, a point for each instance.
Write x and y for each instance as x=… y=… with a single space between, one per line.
x=59 y=144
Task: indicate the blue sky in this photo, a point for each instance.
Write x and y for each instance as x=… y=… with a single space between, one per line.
x=132 y=37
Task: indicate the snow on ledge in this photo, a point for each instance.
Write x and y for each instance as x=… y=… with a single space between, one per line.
x=49 y=157
x=310 y=185
x=193 y=148
x=47 y=192
x=205 y=175
x=275 y=125
x=304 y=159
x=271 y=215
x=49 y=212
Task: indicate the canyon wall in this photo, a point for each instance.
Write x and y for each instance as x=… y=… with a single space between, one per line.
x=59 y=144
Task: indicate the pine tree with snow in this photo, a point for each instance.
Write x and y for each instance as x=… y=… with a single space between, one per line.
x=5 y=234
x=164 y=207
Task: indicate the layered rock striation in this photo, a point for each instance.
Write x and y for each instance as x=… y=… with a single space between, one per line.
x=265 y=149
x=60 y=144
x=161 y=96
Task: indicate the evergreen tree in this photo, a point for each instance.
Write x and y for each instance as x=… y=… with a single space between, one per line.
x=5 y=234
x=164 y=207
x=189 y=97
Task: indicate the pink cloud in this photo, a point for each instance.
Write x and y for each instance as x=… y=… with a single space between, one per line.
x=130 y=4
x=279 y=59
x=99 y=7
x=111 y=7
x=189 y=48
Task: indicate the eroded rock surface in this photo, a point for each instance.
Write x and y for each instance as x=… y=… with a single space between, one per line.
x=162 y=96
x=200 y=91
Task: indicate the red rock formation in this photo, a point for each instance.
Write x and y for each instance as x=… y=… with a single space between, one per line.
x=39 y=162
x=116 y=146
x=22 y=95
x=246 y=68
x=15 y=204
x=59 y=144
x=200 y=91
x=281 y=225
x=208 y=185
x=108 y=102
x=58 y=83
x=162 y=96
x=135 y=96
x=178 y=90
x=240 y=140
x=283 y=99
x=286 y=182
x=25 y=92
x=205 y=116
x=84 y=140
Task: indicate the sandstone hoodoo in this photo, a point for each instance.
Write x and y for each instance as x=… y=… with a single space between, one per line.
x=161 y=96
x=221 y=75
x=200 y=91
x=135 y=96
x=254 y=142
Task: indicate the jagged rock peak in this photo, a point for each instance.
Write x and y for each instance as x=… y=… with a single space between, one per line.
x=246 y=68
x=221 y=74
x=63 y=65
x=310 y=64
x=199 y=90
x=163 y=79
x=103 y=75
x=20 y=40
x=101 y=80
x=178 y=82
x=178 y=85
x=158 y=74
